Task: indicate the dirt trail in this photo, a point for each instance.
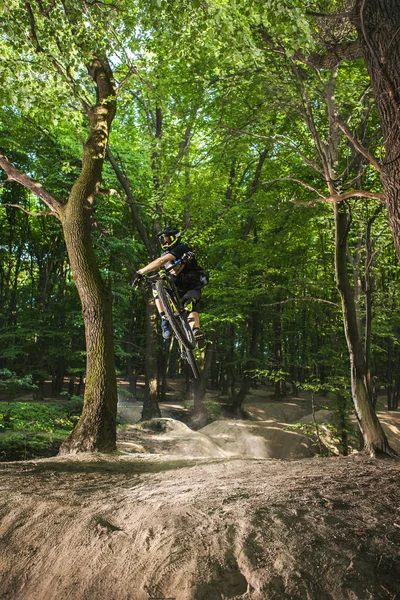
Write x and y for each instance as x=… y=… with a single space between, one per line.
x=202 y=516
x=267 y=432
x=137 y=528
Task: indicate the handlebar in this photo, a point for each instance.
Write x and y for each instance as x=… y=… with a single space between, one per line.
x=145 y=279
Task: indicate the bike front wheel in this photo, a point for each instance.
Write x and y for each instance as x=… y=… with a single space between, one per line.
x=177 y=320
x=192 y=362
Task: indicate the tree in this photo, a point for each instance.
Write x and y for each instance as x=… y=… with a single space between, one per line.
x=378 y=23
x=96 y=429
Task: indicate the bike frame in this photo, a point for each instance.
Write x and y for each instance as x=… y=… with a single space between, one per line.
x=168 y=295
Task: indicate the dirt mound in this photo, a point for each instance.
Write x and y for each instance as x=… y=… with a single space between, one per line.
x=168 y=437
x=260 y=409
x=258 y=439
x=233 y=523
x=134 y=528
x=390 y=422
x=263 y=435
x=266 y=434
x=223 y=438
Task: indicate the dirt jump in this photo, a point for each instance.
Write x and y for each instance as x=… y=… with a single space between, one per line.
x=241 y=509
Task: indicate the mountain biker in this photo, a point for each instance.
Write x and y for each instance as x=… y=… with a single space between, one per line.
x=189 y=278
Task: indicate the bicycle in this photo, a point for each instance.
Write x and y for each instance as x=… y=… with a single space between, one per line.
x=176 y=315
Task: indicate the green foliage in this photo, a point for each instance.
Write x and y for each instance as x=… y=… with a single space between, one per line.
x=211 y=134
x=25 y=446
x=32 y=430
x=10 y=382
x=213 y=409
x=29 y=416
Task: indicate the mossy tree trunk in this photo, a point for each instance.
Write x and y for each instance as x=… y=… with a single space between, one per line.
x=96 y=428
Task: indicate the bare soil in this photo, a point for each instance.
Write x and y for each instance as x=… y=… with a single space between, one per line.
x=238 y=510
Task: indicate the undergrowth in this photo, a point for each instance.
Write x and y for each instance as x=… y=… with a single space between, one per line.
x=35 y=430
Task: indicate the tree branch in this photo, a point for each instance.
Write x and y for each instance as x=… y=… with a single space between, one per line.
x=302 y=300
x=342 y=197
x=39 y=48
x=125 y=184
x=342 y=15
x=334 y=56
x=358 y=146
x=42 y=213
x=277 y=140
x=14 y=174
x=303 y=183
x=310 y=122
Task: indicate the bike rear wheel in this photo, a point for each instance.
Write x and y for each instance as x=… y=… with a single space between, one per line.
x=177 y=320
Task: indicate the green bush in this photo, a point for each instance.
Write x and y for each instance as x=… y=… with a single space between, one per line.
x=24 y=446
x=36 y=430
x=31 y=416
x=11 y=382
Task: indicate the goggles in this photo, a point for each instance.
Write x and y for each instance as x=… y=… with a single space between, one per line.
x=167 y=239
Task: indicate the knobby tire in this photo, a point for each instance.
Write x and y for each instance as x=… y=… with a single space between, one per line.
x=179 y=327
x=192 y=362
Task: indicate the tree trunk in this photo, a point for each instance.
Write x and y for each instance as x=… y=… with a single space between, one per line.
x=200 y=412
x=58 y=376
x=395 y=403
x=341 y=408
x=374 y=437
x=150 y=406
x=96 y=428
x=250 y=364
x=378 y=24
x=278 y=353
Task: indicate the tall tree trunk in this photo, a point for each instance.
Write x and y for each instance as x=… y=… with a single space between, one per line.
x=96 y=428
x=389 y=377
x=378 y=24
x=228 y=370
x=150 y=404
x=200 y=387
x=374 y=437
x=278 y=352
x=375 y=440
x=250 y=364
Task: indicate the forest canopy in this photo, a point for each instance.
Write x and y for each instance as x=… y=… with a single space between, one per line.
x=263 y=130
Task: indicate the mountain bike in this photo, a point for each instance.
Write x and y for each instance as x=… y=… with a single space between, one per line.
x=164 y=287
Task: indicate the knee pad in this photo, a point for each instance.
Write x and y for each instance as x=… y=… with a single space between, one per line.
x=190 y=305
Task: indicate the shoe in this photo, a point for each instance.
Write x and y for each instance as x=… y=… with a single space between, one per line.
x=165 y=330
x=199 y=338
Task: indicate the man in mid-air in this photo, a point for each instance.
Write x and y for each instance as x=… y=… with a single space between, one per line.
x=189 y=278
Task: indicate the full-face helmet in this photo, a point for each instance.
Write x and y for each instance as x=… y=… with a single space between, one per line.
x=169 y=237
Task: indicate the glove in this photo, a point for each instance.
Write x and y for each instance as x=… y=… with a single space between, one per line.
x=188 y=256
x=137 y=280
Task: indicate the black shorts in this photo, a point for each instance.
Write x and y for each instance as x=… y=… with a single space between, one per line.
x=191 y=300
x=189 y=288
